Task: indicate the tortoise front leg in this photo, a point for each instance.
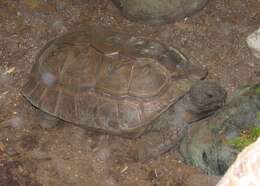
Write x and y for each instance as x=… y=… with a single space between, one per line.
x=165 y=135
x=201 y=101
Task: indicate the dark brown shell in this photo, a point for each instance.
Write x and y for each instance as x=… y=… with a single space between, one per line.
x=108 y=81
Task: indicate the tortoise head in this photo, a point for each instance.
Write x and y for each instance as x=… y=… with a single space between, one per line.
x=206 y=97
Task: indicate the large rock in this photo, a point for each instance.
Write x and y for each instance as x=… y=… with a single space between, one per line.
x=158 y=11
x=246 y=169
x=208 y=143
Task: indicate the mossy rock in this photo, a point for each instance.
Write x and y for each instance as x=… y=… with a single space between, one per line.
x=158 y=12
x=246 y=137
x=213 y=144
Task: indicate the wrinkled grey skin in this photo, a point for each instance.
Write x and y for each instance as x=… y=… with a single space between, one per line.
x=158 y=12
x=207 y=144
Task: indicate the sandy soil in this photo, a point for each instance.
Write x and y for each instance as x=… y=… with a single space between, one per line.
x=67 y=155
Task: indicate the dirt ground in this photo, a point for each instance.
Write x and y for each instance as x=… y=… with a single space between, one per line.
x=67 y=155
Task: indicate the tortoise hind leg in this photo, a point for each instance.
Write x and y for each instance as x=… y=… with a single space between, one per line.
x=47 y=121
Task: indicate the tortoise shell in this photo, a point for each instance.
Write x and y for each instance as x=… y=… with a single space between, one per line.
x=108 y=81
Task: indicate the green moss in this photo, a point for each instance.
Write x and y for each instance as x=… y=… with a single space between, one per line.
x=123 y=3
x=257 y=90
x=258 y=115
x=246 y=138
x=255 y=132
x=240 y=143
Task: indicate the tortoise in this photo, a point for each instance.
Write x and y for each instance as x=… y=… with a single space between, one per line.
x=114 y=83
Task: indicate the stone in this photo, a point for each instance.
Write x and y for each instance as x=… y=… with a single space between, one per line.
x=245 y=170
x=253 y=42
x=158 y=12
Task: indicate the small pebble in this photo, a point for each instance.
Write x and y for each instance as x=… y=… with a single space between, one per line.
x=253 y=42
x=103 y=154
x=58 y=26
x=15 y=122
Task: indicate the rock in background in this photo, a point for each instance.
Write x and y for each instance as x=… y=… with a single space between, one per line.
x=158 y=12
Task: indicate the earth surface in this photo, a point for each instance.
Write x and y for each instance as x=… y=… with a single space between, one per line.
x=31 y=156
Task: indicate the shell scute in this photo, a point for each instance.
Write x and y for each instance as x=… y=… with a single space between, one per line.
x=114 y=76
x=148 y=79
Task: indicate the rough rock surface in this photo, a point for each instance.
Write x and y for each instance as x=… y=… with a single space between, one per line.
x=245 y=171
x=158 y=12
